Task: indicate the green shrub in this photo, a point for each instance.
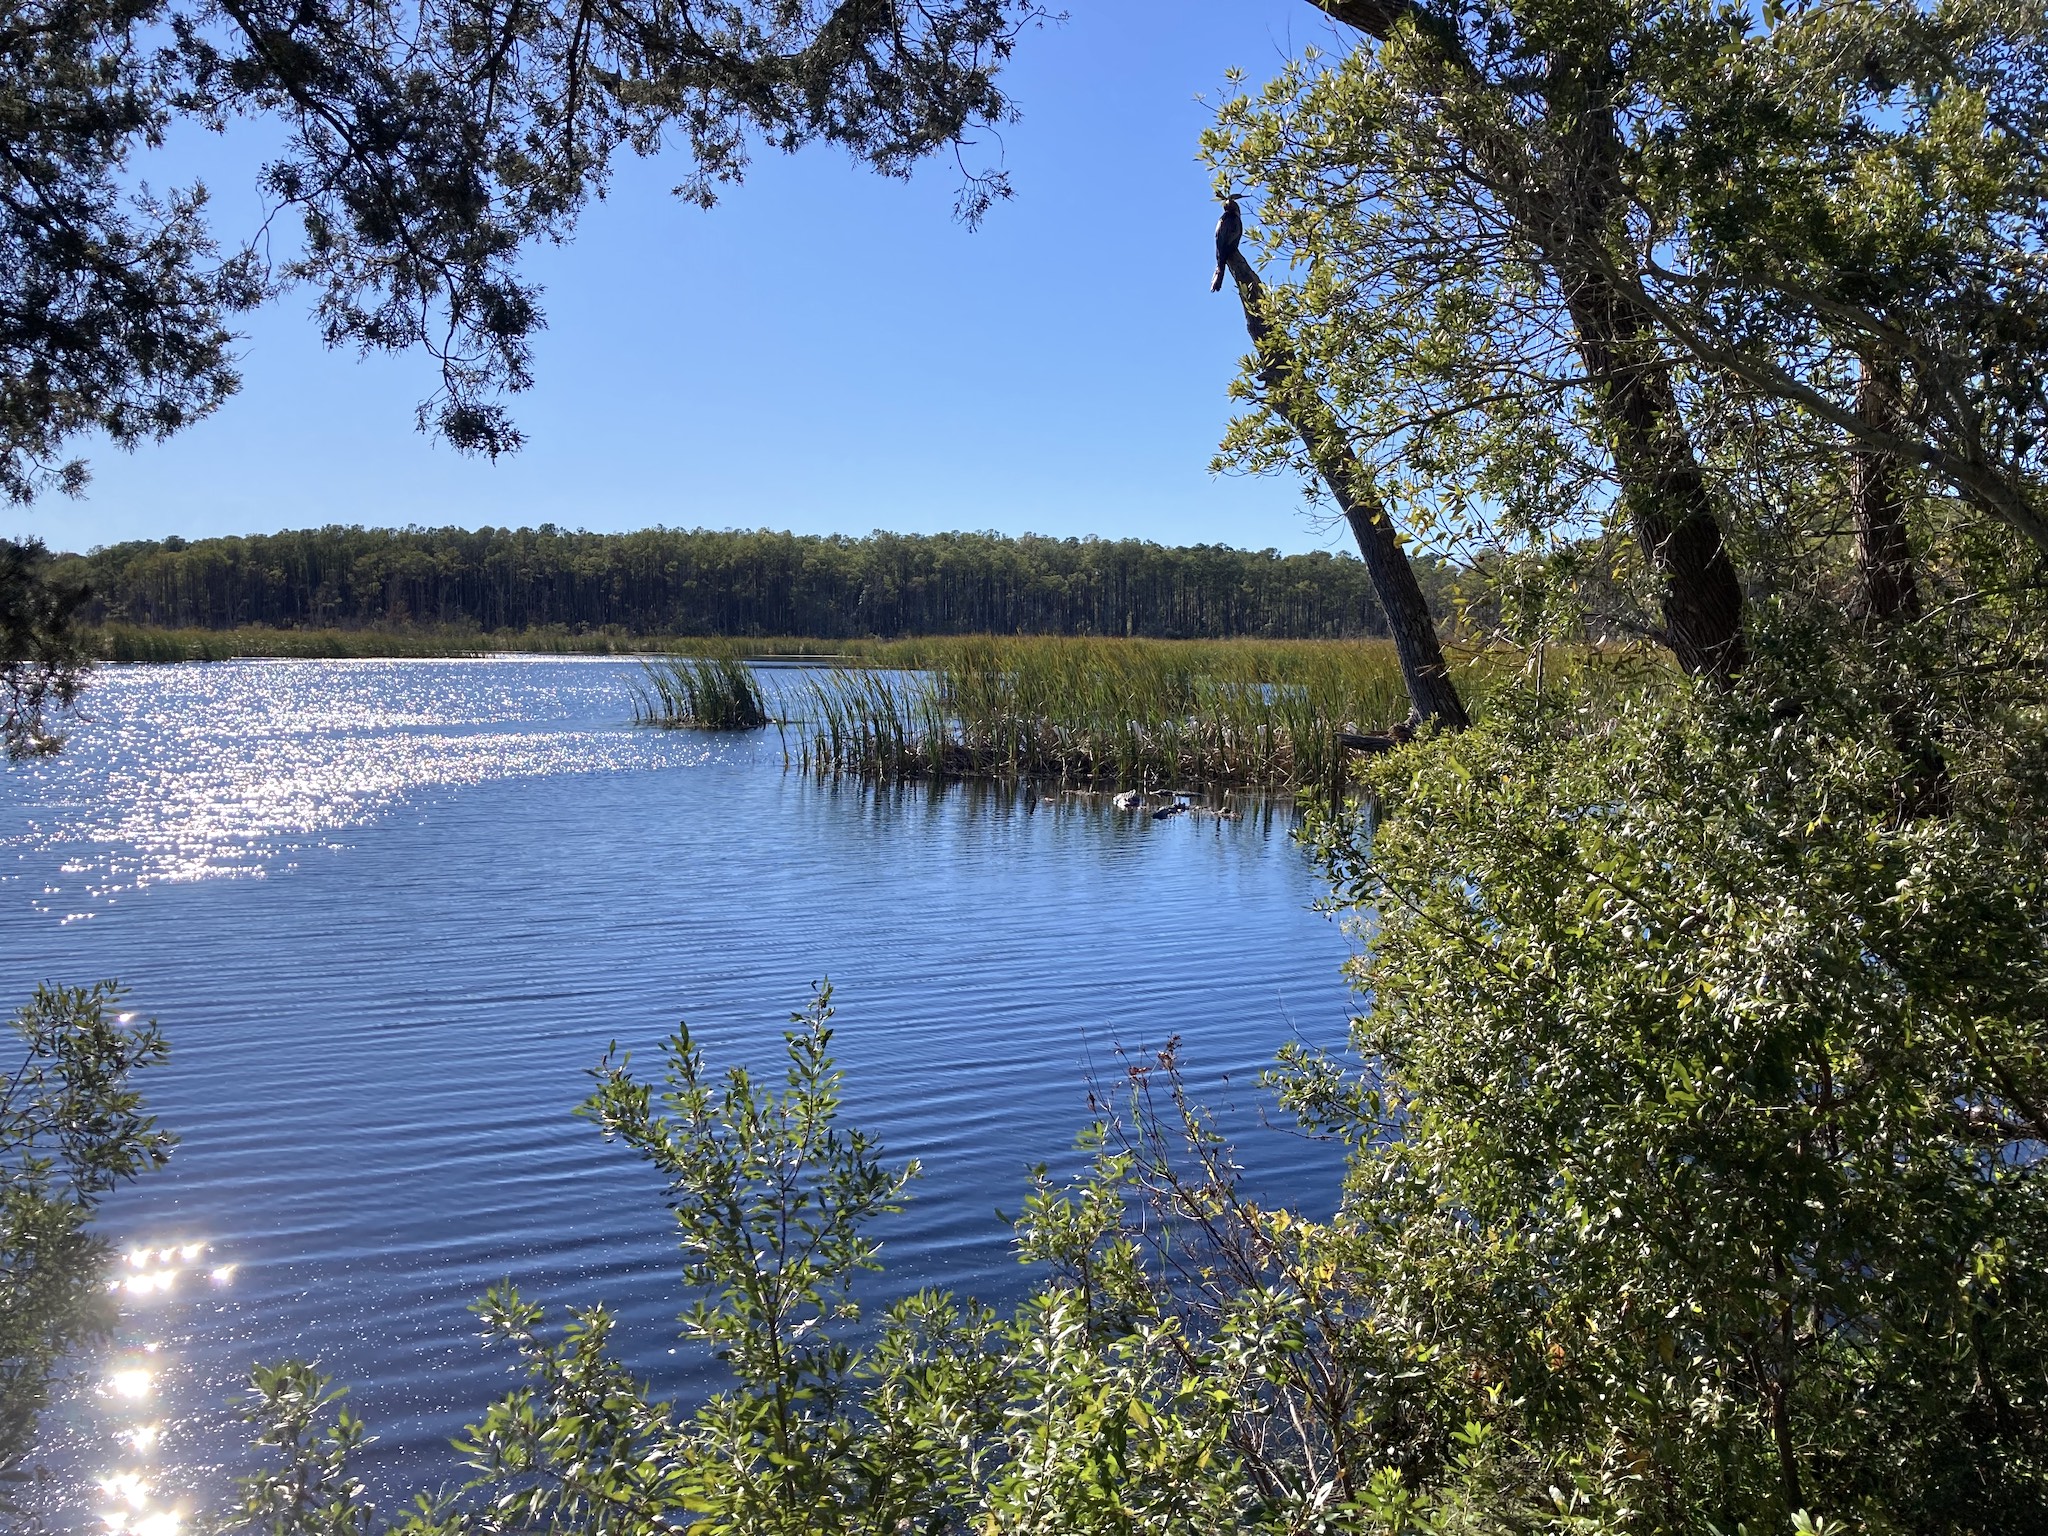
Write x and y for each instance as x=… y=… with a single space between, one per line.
x=1701 y=1109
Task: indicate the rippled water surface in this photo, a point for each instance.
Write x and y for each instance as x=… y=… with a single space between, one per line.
x=390 y=912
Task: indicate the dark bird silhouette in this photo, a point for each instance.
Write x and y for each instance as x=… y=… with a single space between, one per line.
x=1229 y=230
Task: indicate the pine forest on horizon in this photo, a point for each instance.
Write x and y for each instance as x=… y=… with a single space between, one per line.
x=706 y=582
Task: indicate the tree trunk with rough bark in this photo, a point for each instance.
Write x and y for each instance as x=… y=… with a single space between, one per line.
x=1565 y=214
x=1669 y=508
x=1887 y=591
x=1430 y=689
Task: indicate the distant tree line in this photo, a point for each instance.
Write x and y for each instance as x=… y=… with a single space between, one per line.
x=699 y=581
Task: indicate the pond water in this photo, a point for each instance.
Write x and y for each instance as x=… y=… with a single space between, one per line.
x=389 y=913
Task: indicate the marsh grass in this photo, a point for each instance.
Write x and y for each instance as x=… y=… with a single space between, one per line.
x=143 y=643
x=151 y=644
x=1106 y=713
x=1121 y=713
x=716 y=693
x=1133 y=714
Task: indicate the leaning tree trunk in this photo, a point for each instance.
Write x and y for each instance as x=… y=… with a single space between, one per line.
x=1287 y=393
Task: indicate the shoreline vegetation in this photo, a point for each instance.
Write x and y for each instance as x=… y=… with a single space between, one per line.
x=1148 y=715
x=137 y=643
x=147 y=644
x=713 y=693
x=1127 y=714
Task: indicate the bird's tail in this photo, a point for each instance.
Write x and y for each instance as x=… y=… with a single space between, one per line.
x=1216 y=282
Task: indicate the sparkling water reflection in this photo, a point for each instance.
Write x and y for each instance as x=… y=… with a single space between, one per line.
x=188 y=772
x=390 y=912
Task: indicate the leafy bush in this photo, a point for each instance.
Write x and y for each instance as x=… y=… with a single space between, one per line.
x=1703 y=1110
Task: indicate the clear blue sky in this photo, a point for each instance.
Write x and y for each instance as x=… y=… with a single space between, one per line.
x=825 y=351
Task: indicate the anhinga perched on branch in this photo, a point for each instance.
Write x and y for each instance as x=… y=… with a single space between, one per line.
x=1229 y=230
x=1295 y=401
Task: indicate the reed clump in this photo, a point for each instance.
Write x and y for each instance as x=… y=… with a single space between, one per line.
x=716 y=693
x=1122 y=713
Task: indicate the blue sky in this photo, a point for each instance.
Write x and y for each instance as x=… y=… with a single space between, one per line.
x=824 y=351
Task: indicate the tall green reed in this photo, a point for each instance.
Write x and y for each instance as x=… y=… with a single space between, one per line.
x=709 y=692
x=1121 y=713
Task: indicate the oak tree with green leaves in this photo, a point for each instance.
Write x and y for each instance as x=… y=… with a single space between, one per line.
x=1688 y=278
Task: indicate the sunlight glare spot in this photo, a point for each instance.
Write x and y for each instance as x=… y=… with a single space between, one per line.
x=156 y=1522
x=130 y=1384
x=127 y=1487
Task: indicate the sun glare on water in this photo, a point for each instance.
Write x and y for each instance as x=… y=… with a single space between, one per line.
x=133 y=1385
x=318 y=751
x=130 y=1500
